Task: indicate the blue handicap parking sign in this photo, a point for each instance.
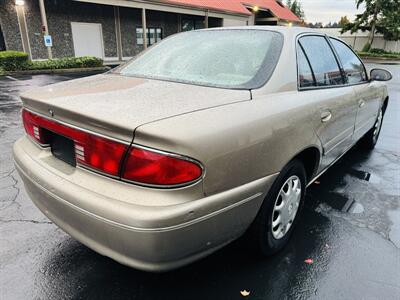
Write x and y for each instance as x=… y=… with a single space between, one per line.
x=48 y=41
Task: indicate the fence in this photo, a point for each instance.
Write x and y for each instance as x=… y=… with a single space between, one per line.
x=358 y=39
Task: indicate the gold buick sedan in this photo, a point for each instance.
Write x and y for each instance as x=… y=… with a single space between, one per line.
x=205 y=136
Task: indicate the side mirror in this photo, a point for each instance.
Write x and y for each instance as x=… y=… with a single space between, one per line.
x=380 y=75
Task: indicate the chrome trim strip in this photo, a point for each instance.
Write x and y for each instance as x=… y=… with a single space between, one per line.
x=338 y=143
x=97 y=172
x=361 y=125
x=76 y=127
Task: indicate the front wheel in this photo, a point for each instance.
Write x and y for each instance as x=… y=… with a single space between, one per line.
x=278 y=215
x=371 y=138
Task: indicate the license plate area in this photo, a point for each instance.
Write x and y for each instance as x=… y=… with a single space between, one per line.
x=62 y=148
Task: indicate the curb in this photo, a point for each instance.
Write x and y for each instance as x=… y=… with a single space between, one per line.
x=58 y=71
x=384 y=61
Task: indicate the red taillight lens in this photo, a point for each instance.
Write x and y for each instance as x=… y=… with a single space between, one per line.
x=93 y=151
x=33 y=128
x=99 y=153
x=148 y=167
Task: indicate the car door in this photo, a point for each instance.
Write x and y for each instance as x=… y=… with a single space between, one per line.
x=367 y=94
x=320 y=76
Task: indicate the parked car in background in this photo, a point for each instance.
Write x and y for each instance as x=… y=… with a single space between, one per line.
x=203 y=137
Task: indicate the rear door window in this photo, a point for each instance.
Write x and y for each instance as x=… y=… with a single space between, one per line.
x=306 y=78
x=353 y=67
x=322 y=60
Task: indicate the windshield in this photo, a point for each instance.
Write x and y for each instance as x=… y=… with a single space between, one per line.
x=222 y=58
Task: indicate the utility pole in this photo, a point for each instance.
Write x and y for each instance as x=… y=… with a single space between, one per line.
x=45 y=29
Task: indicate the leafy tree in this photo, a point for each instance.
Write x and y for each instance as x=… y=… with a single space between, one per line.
x=296 y=8
x=343 y=21
x=389 y=24
x=382 y=16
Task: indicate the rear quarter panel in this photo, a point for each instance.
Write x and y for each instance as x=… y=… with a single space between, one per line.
x=241 y=142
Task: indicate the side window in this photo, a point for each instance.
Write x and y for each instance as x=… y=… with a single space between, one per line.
x=323 y=62
x=353 y=67
x=305 y=73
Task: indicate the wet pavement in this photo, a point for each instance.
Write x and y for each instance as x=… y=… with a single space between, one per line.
x=350 y=227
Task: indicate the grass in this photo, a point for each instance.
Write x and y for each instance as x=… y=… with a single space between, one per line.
x=379 y=53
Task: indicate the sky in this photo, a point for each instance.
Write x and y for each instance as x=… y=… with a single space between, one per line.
x=326 y=11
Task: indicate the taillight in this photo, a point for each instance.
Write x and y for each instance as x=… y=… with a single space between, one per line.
x=153 y=168
x=93 y=151
x=143 y=166
x=99 y=153
x=33 y=128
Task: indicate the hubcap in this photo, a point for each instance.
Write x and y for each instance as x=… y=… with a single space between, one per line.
x=286 y=206
x=377 y=126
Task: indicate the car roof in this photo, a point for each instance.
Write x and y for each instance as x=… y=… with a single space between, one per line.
x=285 y=30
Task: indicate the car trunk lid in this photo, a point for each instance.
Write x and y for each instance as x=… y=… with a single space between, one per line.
x=115 y=105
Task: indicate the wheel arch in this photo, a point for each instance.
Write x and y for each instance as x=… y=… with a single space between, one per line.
x=310 y=157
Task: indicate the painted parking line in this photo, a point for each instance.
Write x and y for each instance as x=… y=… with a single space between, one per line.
x=12 y=78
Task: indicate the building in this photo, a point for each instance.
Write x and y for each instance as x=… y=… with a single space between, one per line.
x=114 y=29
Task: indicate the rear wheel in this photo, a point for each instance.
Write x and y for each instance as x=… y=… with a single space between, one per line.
x=371 y=138
x=278 y=215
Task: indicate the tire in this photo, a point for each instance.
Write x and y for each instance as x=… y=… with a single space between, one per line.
x=264 y=237
x=369 y=140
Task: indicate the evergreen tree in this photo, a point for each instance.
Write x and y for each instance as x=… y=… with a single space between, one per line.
x=296 y=8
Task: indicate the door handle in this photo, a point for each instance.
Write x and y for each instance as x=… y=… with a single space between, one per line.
x=361 y=103
x=326 y=116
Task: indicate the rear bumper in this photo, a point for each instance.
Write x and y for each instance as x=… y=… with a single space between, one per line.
x=154 y=237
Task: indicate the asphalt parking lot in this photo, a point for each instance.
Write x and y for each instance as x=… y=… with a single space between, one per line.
x=350 y=228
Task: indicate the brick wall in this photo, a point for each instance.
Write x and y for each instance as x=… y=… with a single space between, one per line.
x=9 y=25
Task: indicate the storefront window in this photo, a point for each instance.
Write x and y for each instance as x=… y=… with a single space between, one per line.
x=187 y=25
x=192 y=24
x=139 y=36
x=154 y=35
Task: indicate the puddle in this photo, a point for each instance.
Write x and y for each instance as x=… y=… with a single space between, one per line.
x=360 y=174
x=356 y=208
x=340 y=202
x=394 y=233
x=364 y=176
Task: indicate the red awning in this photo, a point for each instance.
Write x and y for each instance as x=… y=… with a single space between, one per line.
x=239 y=7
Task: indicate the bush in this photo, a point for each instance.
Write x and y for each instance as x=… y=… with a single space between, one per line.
x=381 y=51
x=67 y=63
x=16 y=61
x=377 y=51
x=388 y=55
x=13 y=60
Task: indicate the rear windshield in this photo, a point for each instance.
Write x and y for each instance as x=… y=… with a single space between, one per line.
x=241 y=59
